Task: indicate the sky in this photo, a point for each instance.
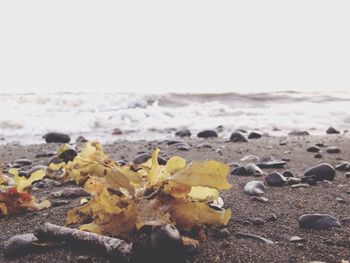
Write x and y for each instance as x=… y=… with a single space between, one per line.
x=174 y=46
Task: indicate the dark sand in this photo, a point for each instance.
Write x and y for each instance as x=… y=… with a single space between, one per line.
x=286 y=203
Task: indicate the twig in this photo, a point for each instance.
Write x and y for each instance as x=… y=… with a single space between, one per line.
x=114 y=247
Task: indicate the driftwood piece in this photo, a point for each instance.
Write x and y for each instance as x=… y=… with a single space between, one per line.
x=114 y=247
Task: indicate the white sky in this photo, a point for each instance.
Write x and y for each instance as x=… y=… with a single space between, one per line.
x=179 y=46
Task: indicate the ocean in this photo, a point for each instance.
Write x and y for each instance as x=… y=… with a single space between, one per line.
x=24 y=118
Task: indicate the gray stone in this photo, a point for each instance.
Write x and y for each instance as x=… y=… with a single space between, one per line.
x=23 y=162
x=19 y=244
x=333 y=149
x=258 y=221
x=313 y=149
x=56 y=137
x=318 y=221
x=183 y=133
x=296 y=239
x=299 y=133
x=260 y=199
x=254 y=135
x=272 y=164
x=254 y=188
x=332 y=130
x=275 y=179
x=320 y=172
x=343 y=166
x=237 y=137
x=207 y=134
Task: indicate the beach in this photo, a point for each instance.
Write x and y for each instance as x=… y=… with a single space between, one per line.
x=278 y=216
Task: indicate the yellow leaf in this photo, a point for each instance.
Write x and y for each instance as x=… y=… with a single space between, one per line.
x=149 y=213
x=108 y=202
x=22 y=183
x=175 y=164
x=176 y=190
x=203 y=193
x=3 y=209
x=211 y=174
x=91 y=227
x=84 y=201
x=158 y=173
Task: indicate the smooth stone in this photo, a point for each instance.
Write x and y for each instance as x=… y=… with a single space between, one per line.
x=256 y=237
x=19 y=244
x=313 y=149
x=254 y=188
x=345 y=220
x=183 y=133
x=181 y=146
x=288 y=173
x=318 y=221
x=300 y=186
x=333 y=149
x=343 y=166
x=318 y=156
x=166 y=243
x=44 y=154
x=347 y=175
x=258 y=221
x=81 y=139
x=254 y=135
x=70 y=192
x=249 y=169
x=172 y=142
x=260 y=199
x=332 y=130
x=298 y=133
x=237 y=137
x=222 y=233
x=340 y=200
x=56 y=137
x=272 y=164
x=320 y=144
x=275 y=179
x=296 y=239
x=207 y=134
x=55 y=203
x=272 y=217
x=68 y=155
x=293 y=180
x=323 y=171
x=23 y=162
x=144 y=157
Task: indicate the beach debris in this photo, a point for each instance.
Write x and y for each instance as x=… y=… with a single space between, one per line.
x=20 y=244
x=238 y=137
x=332 y=130
x=256 y=237
x=144 y=157
x=275 y=179
x=14 y=195
x=254 y=188
x=183 y=133
x=114 y=247
x=318 y=221
x=207 y=134
x=128 y=197
x=254 y=135
x=323 y=171
x=333 y=149
x=56 y=137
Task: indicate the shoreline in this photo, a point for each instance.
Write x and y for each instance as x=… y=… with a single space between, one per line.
x=286 y=203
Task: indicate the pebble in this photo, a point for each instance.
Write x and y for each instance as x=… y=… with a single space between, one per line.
x=260 y=199
x=207 y=134
x=313 y=149
x=81 y=139
x=222 y=233
x=259 y=238
x=320 y=144
x=347 y=175
x=237 y=137
x=343 y=166
x=44 y=154
x=258 y=221
x=181 y=146
x=300 y=186
x=323 y=171
x=318 y=156
x=183 y=133
x=272 y=217
x=68 y=155
x=340 y=200
x=293 y=180
x=254 y=135
x=275 y=179
x=19 y=244
x=144 y=157
x=249 y=169
x=333 y=149
x=288 y=173
x=272 y=164
x=70 y=192
x=318 y=221
x=56 y=137
x=254 y=188
x=23 y=162
x=299 y=133
x=166 y=243
x=332 y=130
x=296 y=239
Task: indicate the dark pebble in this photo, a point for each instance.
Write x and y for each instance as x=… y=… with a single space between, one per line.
x=313 y=149
x=23 y=162
x=238 y=137
x=70 y=192
x=333 y=149
x=222 y=233
x=68 y=155
x=56 y=137
x=258 y=221
x=318 y=221
x=275 y=179
x=183 y=133
x=81 y=139
x=299 y=133
x=320 y=172
x=144 y=157
x=288 y=173
x=318 y=156
x=332 y=130
x=254 y=135
x=19 y=244
x=343 y=166
x=207 y=134
x=272 y=217
x=272 y=164
x=249 y=169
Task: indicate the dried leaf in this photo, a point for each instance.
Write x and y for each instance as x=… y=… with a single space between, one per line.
x=23 y=183
x=201 y=193
x=175 y=164
x=158 y=173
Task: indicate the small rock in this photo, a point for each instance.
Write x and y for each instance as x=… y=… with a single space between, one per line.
x=56 y=137
x=331 y=130
x=55 y=203
x=238 y=137
x=272 y=217
x=258 y=221
x=19 y=244
x=313 y=149
x=183 y=133
x=300 y=186
x=275 y=179
x=144 y=157
x=320 y=172
x=70 y=192
x=340 y=200
x=207 y=134
x=23 y=162
x=117 y=131
x=249 y=169
x=44 y=154
x=309 y=180
x=254 y=135
x=68 y=154
x=318 y=221
x=296 y=239
x=347 y=175
x=293 y=180
x=181 y=146
x=272 y=164
x=299 y=133
x=81 y=139
x=222 y=233
x=254 y=188
x=260 y=199
x=320 y=144
x=343 y=166
x=84 y=259
x=287 y=173
x=333 y=149
x=318 y=156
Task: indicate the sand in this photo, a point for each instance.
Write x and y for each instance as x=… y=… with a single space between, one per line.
x=332 y=245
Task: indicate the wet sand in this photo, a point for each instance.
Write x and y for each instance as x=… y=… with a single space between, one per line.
x=332 y=245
